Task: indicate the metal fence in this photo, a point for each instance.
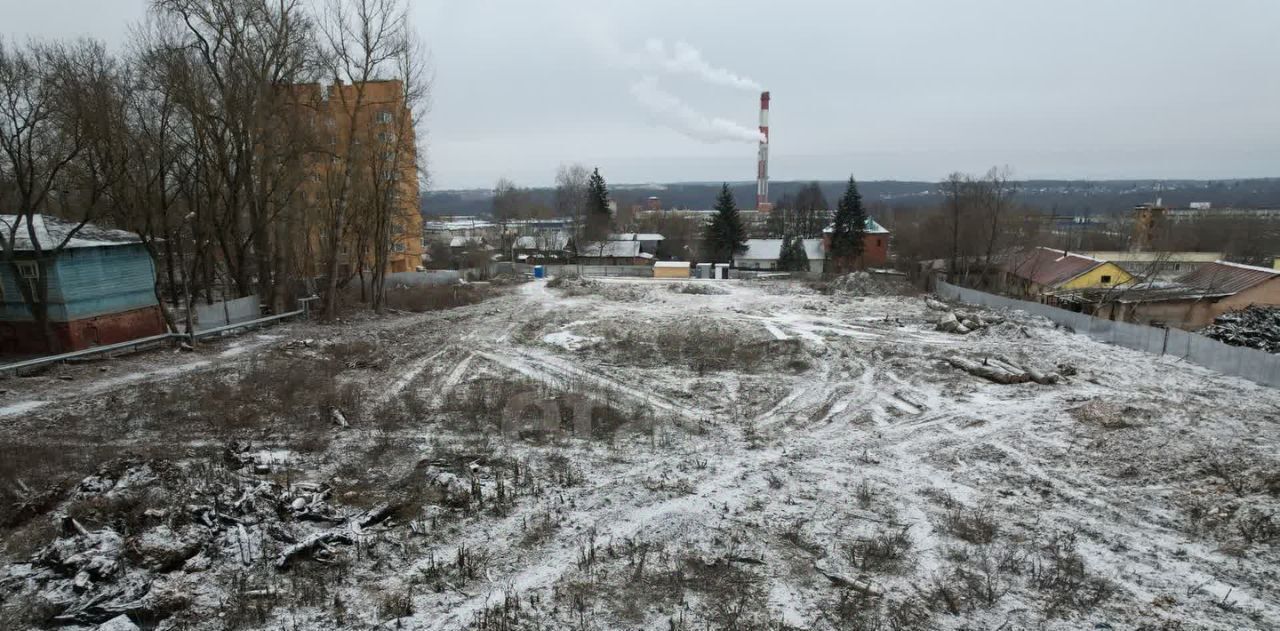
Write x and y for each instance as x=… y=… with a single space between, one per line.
x=1252 y=364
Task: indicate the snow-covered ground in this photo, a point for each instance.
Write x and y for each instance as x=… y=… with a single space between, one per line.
x=617 y=455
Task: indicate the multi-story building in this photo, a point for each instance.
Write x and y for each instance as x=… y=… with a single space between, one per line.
x=364 y=166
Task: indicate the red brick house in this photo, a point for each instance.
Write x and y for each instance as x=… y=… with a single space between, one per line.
x=875 y=246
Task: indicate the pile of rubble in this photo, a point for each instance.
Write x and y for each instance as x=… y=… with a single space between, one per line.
x=959 y=321
x=180 y=524
x=1255 y=327
x=863 y=283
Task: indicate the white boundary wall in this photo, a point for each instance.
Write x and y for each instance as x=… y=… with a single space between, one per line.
x=1252 y=364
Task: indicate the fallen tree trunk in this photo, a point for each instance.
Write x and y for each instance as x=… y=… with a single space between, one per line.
x=1003 y=370
x=317 y=540
x=857 y=584
x=989 y=371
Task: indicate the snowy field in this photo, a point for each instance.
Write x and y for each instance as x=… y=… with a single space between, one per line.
x=635 y=454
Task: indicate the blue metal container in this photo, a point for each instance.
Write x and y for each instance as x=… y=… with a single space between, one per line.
x=539 y=271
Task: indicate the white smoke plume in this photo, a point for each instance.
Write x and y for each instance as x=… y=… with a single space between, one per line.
x=684 y=59
x=676 y=114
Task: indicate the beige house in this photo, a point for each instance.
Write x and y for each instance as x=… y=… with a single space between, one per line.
x=1157 y=265
x=1194 y=299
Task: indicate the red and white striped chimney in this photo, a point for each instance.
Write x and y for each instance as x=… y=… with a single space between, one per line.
x=762 y=168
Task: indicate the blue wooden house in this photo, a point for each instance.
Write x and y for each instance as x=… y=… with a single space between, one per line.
x=100 y=286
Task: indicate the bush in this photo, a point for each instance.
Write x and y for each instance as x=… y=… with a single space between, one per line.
x=434 y=297
x=974 y=525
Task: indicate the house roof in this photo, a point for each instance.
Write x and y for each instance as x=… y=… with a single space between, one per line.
x=636 y=236
x=1227 y=278
x=51 y=231
x=771 y=249
x=1049 y=267
x=1155 y=257
x=547 y=242
x=462 y=224
x=873 y=227
x=616 y=249
x=462 y=242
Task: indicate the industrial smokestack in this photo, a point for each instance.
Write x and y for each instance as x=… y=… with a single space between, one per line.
x=762 y=169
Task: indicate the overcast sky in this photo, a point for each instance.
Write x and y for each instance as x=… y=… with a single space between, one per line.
x=908 y=89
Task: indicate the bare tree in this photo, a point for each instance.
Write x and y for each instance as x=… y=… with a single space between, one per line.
x=953 y=195
x=510 y=203
x=994 y=196
x=46 y=97
x=234 y=56
x=363 y=41
x=571 y=195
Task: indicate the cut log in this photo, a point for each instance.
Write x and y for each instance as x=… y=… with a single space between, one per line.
x=989 y=371
x=317 y=540
x=857 y=584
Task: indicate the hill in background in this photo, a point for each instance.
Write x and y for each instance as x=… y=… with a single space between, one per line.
x=1076 y=197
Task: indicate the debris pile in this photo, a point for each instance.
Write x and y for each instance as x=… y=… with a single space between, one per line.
x=866 y=284
x=178 y=525
x=1254 y=327
x=961 y=322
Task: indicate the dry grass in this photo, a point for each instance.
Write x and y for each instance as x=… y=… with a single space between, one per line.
x=435 y=298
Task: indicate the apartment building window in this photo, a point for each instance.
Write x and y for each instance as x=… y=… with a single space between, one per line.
x=384 y=117
x=385 y=137
x=398 y=247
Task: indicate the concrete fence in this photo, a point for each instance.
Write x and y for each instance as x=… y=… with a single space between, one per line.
x=632 y=271
x=430 y=278
x=1252 y=364
x=225 y=312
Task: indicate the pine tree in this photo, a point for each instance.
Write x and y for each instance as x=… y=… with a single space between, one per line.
x=799 y=256
x=792 y=257
x=598 y=214
x=787 y=255
x=725 y=236
x=849 y=229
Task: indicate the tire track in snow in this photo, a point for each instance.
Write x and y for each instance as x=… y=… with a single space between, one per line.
x=453 y=378
x=550 y=370
x=407 y=377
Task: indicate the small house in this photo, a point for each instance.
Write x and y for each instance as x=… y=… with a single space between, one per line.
x=613 y=253
x=100 y=287
x=648 y=241
x=875 y=245
x=763 y=254
x=1192 y=300
x=1042 y=273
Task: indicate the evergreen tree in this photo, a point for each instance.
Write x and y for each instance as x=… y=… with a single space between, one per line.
x=598 y=214
x=849 y=229
x=787 y=255
x=792 y=257
x=725 y=236
x=799 y=256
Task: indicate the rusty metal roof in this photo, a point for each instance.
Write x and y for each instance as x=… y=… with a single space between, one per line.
x=1227 y=278
x=1048 y=267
